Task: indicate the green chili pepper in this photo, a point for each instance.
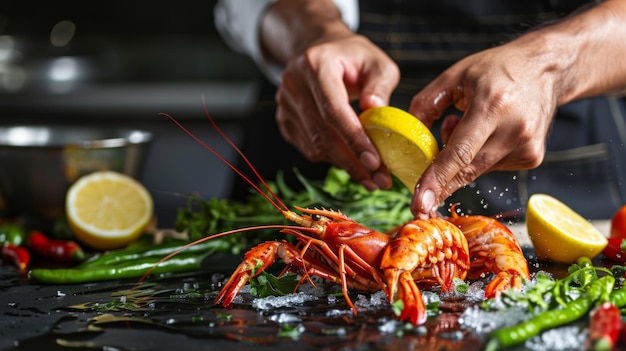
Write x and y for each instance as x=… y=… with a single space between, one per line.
x=123 y=255
x=587 y=273
x=601 y=289
x=572 y=311
x=131 y=269
x=517 y=334
x=618 y=297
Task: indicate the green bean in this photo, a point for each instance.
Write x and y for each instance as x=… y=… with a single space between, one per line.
x=118 y=256
x=130 y=269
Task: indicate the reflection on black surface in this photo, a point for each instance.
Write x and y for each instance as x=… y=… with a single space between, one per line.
x=82 y=317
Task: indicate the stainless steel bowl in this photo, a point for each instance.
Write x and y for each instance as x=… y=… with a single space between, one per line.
x=39 y=163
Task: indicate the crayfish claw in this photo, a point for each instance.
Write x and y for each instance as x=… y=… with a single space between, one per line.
x=414 y=310
x=502 y=282
x=254 y=262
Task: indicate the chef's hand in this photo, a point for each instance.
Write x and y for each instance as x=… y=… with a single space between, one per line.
x=314 y=112
x=509 y=94
x=508 y=102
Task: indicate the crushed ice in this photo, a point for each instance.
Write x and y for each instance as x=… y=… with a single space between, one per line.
x=266 y=303
x=319 y=289
x=482 y=322
x=338 y=313
x=559 y=339
x=283 y=318
x=375 y=300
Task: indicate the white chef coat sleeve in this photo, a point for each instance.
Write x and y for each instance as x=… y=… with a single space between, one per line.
x=237 y=22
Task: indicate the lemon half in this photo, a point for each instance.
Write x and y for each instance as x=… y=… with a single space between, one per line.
x=560 y=234
x=406 y=146
x=108 y=210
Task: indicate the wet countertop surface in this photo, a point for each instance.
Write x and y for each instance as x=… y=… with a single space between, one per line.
x=158 y=317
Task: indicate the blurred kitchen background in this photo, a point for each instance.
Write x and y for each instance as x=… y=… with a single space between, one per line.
x=119 y=63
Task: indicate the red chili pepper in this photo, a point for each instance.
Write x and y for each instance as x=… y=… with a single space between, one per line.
x=18 y=255
x=60 y=250
x=604 y=327
x=615 y=250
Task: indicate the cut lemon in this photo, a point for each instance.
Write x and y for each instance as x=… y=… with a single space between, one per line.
x=406 y=146
x=108 y=210
x=560 y=234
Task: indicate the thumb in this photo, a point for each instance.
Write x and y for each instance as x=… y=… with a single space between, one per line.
x=378 y=85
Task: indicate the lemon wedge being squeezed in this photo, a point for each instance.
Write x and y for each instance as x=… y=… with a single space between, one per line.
x=406 y=146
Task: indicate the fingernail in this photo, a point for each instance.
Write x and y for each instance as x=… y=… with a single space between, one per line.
x=369 y=161
x=377 y=100
x=428 y=202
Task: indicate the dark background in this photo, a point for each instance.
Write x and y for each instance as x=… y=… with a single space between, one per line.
x=134 y=60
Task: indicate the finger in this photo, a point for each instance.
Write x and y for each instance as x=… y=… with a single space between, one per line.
x=457 y=164
x=311 y=134
x=432 y=101
x=378 y=82
x=526 y=148
x=300 y=129
x=337 y=112
x=448 y=125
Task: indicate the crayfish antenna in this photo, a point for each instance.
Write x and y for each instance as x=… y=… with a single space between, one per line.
x=274 y=200
x=243 y=156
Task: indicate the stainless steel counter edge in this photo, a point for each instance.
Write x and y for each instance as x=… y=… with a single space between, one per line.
x=232 y=98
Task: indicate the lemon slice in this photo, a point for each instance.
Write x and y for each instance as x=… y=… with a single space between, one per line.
x=559 y=233
x=108 y=210
x=406 y=146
